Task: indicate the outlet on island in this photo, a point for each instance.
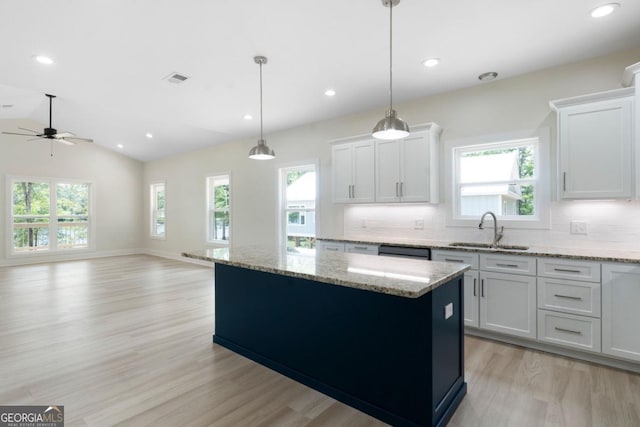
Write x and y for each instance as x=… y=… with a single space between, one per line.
x=418 y=224
x=578 y=227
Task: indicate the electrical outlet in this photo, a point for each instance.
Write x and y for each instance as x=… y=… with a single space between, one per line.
x=363 y=224
x=578 y=227
x=418 y=224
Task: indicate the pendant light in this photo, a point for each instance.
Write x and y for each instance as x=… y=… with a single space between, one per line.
x=391 y=126
x=262 y=150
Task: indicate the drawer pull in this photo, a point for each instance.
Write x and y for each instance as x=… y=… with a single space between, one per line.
x=482 y=287
x=475 y=282
x=453 y=260
x=331 y=249
x=566 y=270
x=568 y=331
x=567 y=297
x=364 y=248
x=507 y=265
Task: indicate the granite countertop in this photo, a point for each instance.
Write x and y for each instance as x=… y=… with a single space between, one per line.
x=599 y=255
x=403 y=277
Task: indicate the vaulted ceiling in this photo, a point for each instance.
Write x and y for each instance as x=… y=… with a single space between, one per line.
x=111 y=58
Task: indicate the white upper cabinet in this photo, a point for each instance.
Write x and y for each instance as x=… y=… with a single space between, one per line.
x=407 y=169
x=595 y=145
x=352 y=172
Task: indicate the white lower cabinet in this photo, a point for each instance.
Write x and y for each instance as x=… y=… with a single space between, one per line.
x=471 y=298
x=569 y=330
x=508 y=303
x=621 y=310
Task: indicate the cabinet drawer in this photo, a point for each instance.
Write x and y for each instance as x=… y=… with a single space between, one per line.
x=457 y=256
x=513 y=264
x=324 y=246
x=358 y=248
x=569 y=330
x=568 y=269
x=569 y=296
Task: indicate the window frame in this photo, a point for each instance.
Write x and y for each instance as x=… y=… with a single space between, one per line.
x=210 y=179
x=153 y=210
x=541 y=180
x=52 y=227
x=283 y=211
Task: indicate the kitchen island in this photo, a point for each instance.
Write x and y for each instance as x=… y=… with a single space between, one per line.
x=384 y=335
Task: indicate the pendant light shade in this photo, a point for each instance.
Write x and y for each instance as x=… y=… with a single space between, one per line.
x=261 y=151
x=391 y=126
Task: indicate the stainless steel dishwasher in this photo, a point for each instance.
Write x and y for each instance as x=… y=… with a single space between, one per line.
x=404 y=251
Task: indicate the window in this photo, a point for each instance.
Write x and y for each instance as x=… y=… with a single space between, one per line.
x=508 y=177
x=298 y=205
x=218 y=209
x=49 y=215
x=158 y=210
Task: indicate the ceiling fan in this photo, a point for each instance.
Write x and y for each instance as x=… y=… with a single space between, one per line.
x=50 y=133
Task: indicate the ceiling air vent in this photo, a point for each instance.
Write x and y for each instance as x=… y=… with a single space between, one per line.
x=176 y=78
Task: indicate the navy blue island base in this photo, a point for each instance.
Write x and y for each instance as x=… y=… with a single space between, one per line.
x=395 y=358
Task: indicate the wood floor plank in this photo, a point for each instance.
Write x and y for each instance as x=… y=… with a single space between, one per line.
x=127 y=341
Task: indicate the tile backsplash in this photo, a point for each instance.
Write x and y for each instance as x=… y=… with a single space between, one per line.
x=610 y=224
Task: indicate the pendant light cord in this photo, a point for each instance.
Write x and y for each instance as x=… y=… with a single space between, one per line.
x=390 y=55
x=261 y=138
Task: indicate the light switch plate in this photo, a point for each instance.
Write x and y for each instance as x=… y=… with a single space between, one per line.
x=448 y=310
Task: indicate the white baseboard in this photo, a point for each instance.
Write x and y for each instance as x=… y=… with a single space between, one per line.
x=71 y=256
x=176 y=256
x=562 y=351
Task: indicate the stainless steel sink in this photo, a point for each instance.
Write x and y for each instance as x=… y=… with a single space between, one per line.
x=489 y=246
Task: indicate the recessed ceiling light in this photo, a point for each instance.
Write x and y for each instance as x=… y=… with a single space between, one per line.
x=431 y=62
x=148 y=135
x=43 y=59
x=330 y=92
x=485 y=77
x=120 y=146
x=604 y=10
x=247 y=117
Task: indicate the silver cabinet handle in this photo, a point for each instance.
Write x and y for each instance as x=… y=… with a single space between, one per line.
x=564 y=181
x=331 y=249
x=567 y=297
x=566 y=270
x=397 y=192
x=453 y=260
x=568 y=331
x=482 y=287
x=361 y=247
x=402 y=189
x=507 y=265
x=353 y=191
x=475 y=281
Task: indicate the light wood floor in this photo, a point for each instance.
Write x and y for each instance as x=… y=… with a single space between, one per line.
x=127 y=340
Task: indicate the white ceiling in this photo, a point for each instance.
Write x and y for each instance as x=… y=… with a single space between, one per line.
x=111 y=57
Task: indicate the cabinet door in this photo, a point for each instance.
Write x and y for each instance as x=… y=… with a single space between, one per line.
x=414 y=165
x=471 y=299
x=595 y=150
x=620 y=313
x=342 y=172
x=387 y=171
x=363 y=172
x=508 y=304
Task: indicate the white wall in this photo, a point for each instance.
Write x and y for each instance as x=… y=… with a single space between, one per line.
x=519 y=103
x=117 y=184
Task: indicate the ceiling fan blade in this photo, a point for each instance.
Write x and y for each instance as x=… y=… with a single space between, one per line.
x=77 y=139
x=63 y=135
x=30 y=130
x=65 y=142
x=21 y=134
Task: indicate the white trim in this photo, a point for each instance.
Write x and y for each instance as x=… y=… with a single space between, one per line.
x=53 y=247
x=557 y=104
x=221 y=243
x=542 y=219
x=45 y=258
x=628 y=76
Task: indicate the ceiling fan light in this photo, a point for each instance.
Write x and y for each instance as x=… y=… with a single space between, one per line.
x=391 y=127
x=261 y=151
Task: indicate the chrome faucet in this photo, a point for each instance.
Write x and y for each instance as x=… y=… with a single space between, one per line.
x=497 y=235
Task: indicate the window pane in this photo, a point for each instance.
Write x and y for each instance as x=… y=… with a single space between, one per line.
x=299 y=207
x=30 y=198
x=501 y=199
x=73 y=236
x=221 y=225
x=72 y=199
x=221 y=195
x=30 y=238
x=501 y=164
